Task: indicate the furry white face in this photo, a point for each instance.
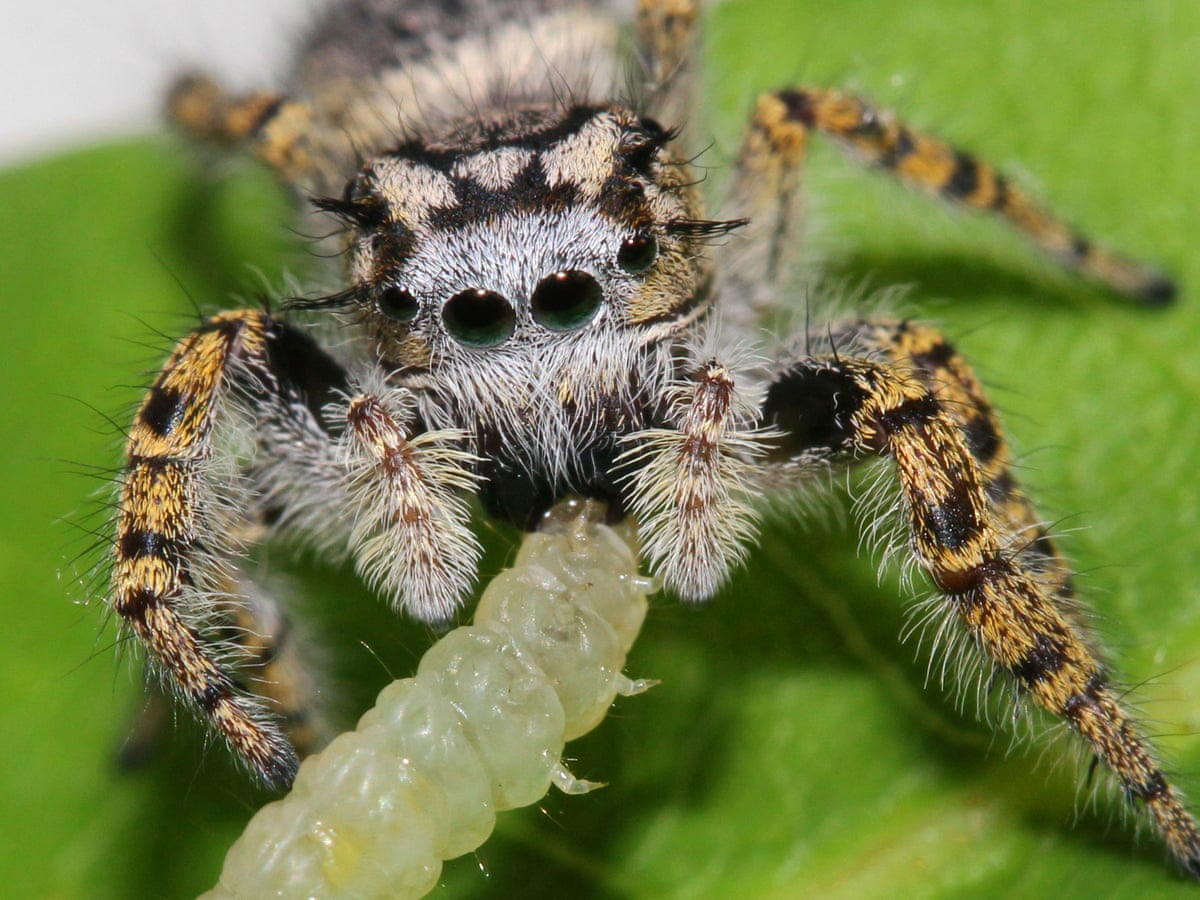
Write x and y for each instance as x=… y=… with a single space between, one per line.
x=526 y=278
x=523 y=278
x=525 y=234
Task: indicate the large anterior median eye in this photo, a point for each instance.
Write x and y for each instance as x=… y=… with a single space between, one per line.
x=566 y=300
x=479 y=318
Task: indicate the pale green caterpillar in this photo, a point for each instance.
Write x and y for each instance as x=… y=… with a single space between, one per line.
x=480 y=728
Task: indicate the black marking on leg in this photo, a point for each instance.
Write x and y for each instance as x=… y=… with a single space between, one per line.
x=136 y=603
x=1000 y=198
x=934 y=359
x=1154 y=786
x=964 y=180
x=903 y=147
x=230 y=329
x=813 y=408
x=1043 y=545
x=915 y=413
x=1086 y=699
x=982 y=439
x=1158 y=291
x=265 y=115
x=163 y=410
x=1045 y=660
x=139 y=544
x=962 y=585
x=1002 y=487
x=303 y=369
x=212 y=695
x=952 y=522
x=799 y=107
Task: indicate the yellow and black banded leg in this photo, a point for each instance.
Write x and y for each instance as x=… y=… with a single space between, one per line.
x=272 y=660
x=180 y=523
x=266 y=658
x=766 y=194
x=689 y=486
x=277 y=129
x=960 y=537
x=924 y=353
x=782 y=120
x=666 y=37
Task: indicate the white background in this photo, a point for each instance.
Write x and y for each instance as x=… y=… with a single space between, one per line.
x=78 y=71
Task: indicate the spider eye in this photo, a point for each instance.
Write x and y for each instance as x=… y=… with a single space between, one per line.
x=398 y=304
x=479 y=318
x=566 y=300
x=637 y=253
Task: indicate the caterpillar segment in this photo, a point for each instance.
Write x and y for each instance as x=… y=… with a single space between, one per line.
x=479 y=729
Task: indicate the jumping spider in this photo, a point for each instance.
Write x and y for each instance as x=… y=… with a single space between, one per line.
x=530 y=311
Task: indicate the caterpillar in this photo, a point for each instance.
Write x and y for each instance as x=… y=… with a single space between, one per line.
x=479 y=729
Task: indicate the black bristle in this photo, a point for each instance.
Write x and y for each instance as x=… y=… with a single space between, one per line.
x=704 y=228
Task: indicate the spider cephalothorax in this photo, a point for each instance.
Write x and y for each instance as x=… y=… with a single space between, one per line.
x=528 y=282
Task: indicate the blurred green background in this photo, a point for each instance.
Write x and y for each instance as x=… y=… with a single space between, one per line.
x=792 y=748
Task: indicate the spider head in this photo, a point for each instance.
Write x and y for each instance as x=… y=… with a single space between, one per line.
x=543 y=230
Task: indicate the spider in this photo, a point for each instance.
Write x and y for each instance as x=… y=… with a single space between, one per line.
x=535 y=304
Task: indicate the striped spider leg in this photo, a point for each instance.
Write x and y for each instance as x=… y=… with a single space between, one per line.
x=193 y=501
x=896 y=389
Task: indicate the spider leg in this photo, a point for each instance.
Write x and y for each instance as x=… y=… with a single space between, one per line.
x=273 y=661
x=688 y=486
x=267 y=658
x=881 y=404
x=277 y=129
x=666 y=36
x=931 y=359
x=181 y=520
x=766 y=187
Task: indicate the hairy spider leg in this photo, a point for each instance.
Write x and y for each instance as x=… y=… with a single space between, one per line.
x=963 y=540
x=266 y=656
x=172 y=576
x=666 y=35
x=281 y=130
x=412 y=536
x=774 y=150
x=934 y=362
x=275 y=127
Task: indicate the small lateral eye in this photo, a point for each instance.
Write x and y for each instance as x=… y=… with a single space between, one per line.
x=566 y=300
x=637 y=253
x=479 y=318
x=397 y=304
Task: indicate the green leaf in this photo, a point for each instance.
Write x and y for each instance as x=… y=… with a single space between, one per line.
x=793 y=747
